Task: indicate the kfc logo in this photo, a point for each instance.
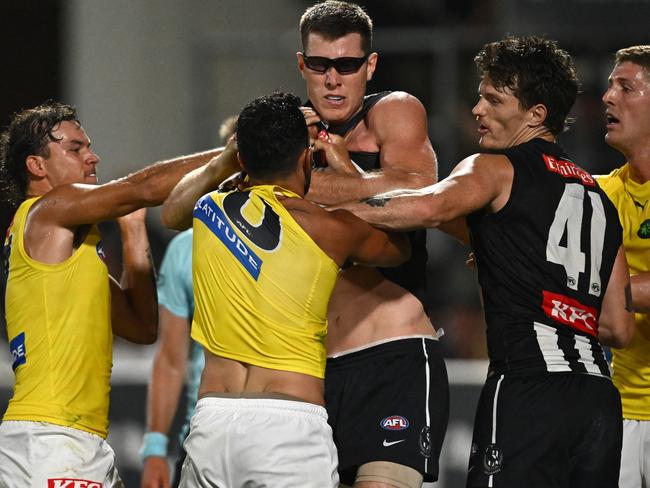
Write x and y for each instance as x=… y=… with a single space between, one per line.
x=72 y=483
x=570 y=312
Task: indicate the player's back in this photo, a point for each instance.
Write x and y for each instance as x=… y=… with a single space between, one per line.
x=262 y=285
x=544 y=262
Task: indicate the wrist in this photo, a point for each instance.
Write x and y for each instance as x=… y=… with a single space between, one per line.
x=154 y=444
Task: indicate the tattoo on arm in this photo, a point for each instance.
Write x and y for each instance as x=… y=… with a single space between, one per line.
x=376 y=201
x=628 y=298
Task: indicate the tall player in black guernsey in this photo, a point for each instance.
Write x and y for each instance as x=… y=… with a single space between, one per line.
x=386 y=430
x=552 y=271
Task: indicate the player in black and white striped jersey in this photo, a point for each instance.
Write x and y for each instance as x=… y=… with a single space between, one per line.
x=553 y=274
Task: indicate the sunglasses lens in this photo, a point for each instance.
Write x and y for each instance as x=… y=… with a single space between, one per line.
x=344 y=66
x=347 y=66
x=317 y=63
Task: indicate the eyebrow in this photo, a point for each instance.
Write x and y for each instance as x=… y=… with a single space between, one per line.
x=78 y=142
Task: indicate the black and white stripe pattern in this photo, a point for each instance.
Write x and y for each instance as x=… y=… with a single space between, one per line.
x=572 y=353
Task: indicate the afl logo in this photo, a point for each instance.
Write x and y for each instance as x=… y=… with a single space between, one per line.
x=394 y=422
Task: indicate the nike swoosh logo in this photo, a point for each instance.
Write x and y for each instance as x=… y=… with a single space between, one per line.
x=386 y=443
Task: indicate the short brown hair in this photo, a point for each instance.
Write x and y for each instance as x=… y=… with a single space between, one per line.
x=635 y=54
x=334 y=19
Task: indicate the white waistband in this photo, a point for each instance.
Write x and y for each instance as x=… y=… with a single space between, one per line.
x=262 y=404
x=384 y=341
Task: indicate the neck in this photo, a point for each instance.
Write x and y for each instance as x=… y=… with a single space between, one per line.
x=540 y=132
x=639 y=163
x=287 y=183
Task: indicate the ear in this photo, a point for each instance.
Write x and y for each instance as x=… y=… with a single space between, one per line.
x=35 y=166
x=301 y=64
x=537 y=114
x=306 y=159
x=241 y=163
x=372 y=65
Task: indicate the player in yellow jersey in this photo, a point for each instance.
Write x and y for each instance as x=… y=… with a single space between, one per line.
x=265 y=261
x=628 y=130
x=61 y=306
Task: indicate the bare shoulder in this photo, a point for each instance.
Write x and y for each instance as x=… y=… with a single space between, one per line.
x=58 y=201
x=397 y=104
x=485 y=163
x=319 y=223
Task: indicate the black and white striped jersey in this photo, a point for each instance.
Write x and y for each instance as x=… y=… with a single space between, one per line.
x=544 y=262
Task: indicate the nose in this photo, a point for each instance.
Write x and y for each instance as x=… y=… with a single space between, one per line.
x=92 y=158
x=477 y=110
x=608 y=96
x=332 y=78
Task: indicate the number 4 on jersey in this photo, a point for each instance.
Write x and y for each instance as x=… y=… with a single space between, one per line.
x=569 y=219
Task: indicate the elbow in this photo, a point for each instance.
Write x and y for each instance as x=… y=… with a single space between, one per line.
x=148 y=334
x=172 y=219
x=620 y=336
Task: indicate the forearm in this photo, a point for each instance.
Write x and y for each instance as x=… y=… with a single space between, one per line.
x=155 y=182
x=641 y=292
x=177 y=209
x=138 y=276
x=393 y=211
x=163 y=395
x=330 y=188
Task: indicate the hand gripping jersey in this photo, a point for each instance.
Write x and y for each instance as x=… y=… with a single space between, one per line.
x=411 y=275
x=261 y=284
x=631 y=365
x=59 y=330
x=544 y=262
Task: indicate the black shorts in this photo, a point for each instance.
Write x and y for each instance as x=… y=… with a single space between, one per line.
x=550 y=430
x=389 y=403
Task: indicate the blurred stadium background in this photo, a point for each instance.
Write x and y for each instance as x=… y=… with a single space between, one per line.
x=154 y=79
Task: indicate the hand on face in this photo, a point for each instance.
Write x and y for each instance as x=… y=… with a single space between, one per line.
x=312 y=119
x=336 y=154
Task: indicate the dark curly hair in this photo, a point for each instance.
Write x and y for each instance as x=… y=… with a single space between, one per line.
x=28 y=134
x=537 y=71
x=271 y=134
x=334 y=19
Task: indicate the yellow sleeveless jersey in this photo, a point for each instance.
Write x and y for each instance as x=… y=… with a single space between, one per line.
x=261 y=284
x=59 y=328
x=631 y=365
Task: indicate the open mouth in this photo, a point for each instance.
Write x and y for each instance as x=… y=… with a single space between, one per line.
x=335 y=99
x=611 y=120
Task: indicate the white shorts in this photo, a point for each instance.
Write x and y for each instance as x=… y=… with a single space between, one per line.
x=245 y=442
x=43 y=455
x=635 y=457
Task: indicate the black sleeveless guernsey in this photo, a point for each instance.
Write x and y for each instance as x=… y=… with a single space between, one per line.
x=412 y=274
x=544 y=262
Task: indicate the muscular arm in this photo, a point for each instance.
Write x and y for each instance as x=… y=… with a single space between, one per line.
x=167 y=378
x=616 y=321
x=177 y=209
x=134 y=303
x=397 y=127
x=478 y=181
x=343 y=236
x=72 y=205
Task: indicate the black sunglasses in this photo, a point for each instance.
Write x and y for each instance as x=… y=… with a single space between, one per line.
x=345 y=66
